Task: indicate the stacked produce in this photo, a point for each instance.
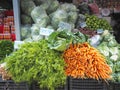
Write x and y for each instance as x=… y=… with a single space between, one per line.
x=85 y=61
x=80 y=53
x=94 y=23
x=60 y=40
x=49 y=13
x=109 y=47
x=36 y=62
x=6 y=48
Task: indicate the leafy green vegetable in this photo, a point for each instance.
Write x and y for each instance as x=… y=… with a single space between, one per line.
x=60 y=40
x=25 y=31
x=58 y=16
x=111 y=49
x=36 y=62
x=6 y=48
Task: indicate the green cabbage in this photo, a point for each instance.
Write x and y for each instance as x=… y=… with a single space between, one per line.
x=58 y=16
x=40 y=16
x=68 y=7
x=25 y=31
x=35 y=29
x=27 y=6
x=72 y=17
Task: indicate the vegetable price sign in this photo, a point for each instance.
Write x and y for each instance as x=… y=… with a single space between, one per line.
x=65 y=25
x=83 y=24
x=17 y=44
x=46 y=31
x=99 y=31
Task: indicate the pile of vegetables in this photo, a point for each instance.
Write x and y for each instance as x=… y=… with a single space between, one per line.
x=6 y=48
x=49 y=13
x=60 y=40
x=109 y=47
x=36 y=62
x=94 y=23
x=4 y=73
x=85 y=61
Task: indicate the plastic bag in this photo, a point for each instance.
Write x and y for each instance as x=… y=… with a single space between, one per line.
x=27 y=6
x=39 y=16
x=58 y=16
x=25 y=31
x=35 y=29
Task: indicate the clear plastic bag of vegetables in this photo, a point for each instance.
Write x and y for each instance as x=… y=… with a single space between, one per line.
x=68 y=7
x=35 y=29
x=25 y=19
x=27 y=6
x=53 y=6
x=58 y=16
x=39 y=15
x=72 y=17
x=25 y=31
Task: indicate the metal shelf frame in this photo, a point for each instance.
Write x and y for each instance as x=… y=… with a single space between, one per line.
x=16 y=9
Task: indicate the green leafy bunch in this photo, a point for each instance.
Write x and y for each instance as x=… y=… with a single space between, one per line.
x=34 y=61
x=6 y=48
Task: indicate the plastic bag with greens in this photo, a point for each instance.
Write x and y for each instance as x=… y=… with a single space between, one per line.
x=103 y=48
x=68 y=7
x=35 y=29
x=53 y=6
x=27 y=6
x=72 y=17
x=25 y=19
x=39 y=15
x=25 y=31
x=58 y=16
x=117 y=66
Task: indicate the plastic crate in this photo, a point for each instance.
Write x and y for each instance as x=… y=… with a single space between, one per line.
x=35 y=86
x=116 y=86
x=10 y=85
x=87 y=84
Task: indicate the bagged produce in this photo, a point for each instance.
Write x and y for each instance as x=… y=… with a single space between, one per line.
x=35 y=29
x=83 y=8
x=72 y=17
x=58 y=16
x=39 y=16
x=25 y=19
x=27 y=6
x=25 y=31
x=37 y=2
x=68 y=7
x=53 y=6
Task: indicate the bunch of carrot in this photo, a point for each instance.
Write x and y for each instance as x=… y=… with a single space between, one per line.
x=85 y=61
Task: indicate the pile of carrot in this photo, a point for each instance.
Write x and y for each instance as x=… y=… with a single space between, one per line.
x=85 y=61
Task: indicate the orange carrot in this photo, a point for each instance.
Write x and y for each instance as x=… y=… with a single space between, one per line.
x=83 y=60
